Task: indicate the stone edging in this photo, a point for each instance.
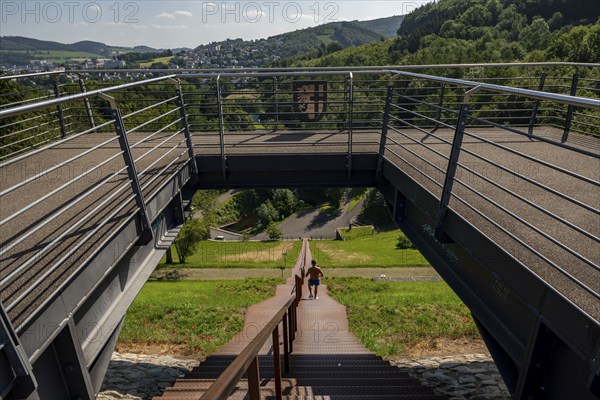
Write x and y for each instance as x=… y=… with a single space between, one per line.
x=461 y=377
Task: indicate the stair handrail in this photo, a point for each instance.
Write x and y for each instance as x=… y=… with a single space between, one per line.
x=247 y=360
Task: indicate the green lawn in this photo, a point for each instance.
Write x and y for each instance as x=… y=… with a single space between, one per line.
x=217 y=254
x=164 y=60
x=357 y=232
x=389 y=317
x=377 y=250
x=200 y=315
x=357 y=195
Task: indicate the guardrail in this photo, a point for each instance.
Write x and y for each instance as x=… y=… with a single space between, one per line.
x=266 y=101
x=98 y=184
x=487 y=180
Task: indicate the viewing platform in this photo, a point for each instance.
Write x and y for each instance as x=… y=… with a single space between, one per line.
x=496 y=180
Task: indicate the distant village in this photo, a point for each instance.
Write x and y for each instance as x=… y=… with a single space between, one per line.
x=232 y=53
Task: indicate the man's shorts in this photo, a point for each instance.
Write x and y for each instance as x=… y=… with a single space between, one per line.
x=314 y=282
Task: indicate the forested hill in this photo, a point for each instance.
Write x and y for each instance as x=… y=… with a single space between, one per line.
x=459 y=31
x=19 y=43
x=386 y=27
x=302 y=44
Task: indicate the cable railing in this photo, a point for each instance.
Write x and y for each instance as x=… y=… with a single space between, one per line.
x=64 y=197
x=546 y=217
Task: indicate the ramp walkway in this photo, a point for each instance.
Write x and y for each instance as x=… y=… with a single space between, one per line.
x=327 y=361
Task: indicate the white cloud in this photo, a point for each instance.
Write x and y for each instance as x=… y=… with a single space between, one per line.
x=166 y=15
x=171 y=27
x=176 y=14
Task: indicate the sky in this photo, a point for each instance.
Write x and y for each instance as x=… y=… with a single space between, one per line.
x=176 y=24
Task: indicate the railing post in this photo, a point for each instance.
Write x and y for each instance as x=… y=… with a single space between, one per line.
x=350 y=121
x=86 y=103
x=277 y=362
x=570 y=109
x=275 y=104
x=295 y=320
x=146 y=235
x=254 y=380
x=461 y=123
x=186 y=128
x=12 y=351
x=384 y=130
x=59 y=111
x=286 y=339
x=438 y=116
x=221 y=129
x=536 y=104
x=292 y=332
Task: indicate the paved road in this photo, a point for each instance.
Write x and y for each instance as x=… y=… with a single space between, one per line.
x=316 y=224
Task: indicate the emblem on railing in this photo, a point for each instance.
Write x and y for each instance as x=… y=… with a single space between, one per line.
x=310 y=99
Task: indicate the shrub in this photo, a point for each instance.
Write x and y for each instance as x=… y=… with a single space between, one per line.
x=404 y=243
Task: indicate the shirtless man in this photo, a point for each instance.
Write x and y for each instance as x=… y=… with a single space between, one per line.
x=314 y=274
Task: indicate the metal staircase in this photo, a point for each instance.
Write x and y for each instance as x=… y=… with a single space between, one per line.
x=352 y=377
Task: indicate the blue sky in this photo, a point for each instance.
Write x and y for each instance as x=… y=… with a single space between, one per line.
x=172 y=24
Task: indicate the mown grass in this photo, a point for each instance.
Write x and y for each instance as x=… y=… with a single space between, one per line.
x=250 y=254
x=356 y=232
x=357 y=194
x=390 y=317
x=377 y=250
x=200 y=315
x=164 y=60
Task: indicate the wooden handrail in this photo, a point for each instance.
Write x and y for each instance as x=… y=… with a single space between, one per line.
x=227 y=381
x=247 y=360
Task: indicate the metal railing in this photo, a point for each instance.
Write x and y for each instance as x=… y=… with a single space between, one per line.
x=263 y=101
x=174 y=114
x=63 y=208
x=489 y=173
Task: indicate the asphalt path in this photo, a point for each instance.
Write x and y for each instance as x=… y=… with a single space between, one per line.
x=316 y=223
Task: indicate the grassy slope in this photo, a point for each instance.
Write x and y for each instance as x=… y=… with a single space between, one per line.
x=201 y=315
x=164 y=60
x=366 y=251
x=389 y=317
x=54 y=55
x=216 y=254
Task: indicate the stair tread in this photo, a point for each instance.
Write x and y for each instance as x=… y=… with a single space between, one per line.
x=309 y=374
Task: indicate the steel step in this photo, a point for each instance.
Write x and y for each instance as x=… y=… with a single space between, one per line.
x=309 y=374
x=389 y=389
x=362 y=397
x=332 y=362
x=309 y=367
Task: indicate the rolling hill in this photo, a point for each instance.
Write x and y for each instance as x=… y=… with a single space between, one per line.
x=20 y=50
